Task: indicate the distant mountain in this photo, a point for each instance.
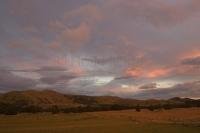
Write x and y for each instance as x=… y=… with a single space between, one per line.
x=39 y=98
x=48 y=100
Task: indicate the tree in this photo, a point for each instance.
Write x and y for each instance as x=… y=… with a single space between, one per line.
x=138 y=109
x=151 y=108
x=55 y=109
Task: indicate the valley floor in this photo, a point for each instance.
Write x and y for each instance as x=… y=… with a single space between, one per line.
x=127 y=121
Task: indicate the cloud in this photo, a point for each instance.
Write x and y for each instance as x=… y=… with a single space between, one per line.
x=57 y=79
x=41 y=69
x=158 y=73
x=134 y=72
x=191 y=54
x=51 y=68
x=10 y=81
x=56 y=76
x=148 y=72
x=45 y=76
x=75 y=37
x=70 y=38
x=191 y=61
x=32 y=48
x=30 y=29
x=103 y=60
x=56 y=72
x=188 y=89
x=131 y=40
x=88 y=13
x=48 y=75
x=123 y=78
x=77 y=32
x=148 y=86
x=156 y=12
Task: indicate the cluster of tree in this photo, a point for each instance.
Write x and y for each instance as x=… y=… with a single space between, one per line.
x=168 y=105
x=13 y=109
x=21 y=107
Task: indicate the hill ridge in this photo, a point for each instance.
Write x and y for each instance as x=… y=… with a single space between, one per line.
x=45 y=100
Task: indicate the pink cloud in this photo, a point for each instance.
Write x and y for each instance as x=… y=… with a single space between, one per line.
x=74 y=38
x=148 y=73
x=160 y=72
x=191 y=54
x=88 y=13
x=77 y=36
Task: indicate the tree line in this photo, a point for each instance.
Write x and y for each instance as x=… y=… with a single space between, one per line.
x=13 y=109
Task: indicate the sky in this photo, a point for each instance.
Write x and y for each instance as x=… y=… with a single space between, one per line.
x=128 y=48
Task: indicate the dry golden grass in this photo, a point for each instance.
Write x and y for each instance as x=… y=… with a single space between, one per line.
x=161 y=116
x=127 y=121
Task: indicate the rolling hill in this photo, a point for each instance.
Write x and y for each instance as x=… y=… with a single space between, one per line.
x=48 y=100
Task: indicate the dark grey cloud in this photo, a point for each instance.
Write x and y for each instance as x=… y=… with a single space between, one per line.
x=57 y=79
x=41 y=69
x=191 y=61
x=49 y=75
x=102 y=60
x=51 y=68
x=10 y=81
x=123 y=78
x=148 y=86
x=189 y=89
x=55 y=76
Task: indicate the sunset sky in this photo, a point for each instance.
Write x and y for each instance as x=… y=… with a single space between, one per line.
x=128 y=48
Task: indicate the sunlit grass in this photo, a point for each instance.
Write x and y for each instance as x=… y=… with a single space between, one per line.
x=104 y=122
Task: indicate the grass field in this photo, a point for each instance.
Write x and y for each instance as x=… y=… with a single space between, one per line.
x=127 y=121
